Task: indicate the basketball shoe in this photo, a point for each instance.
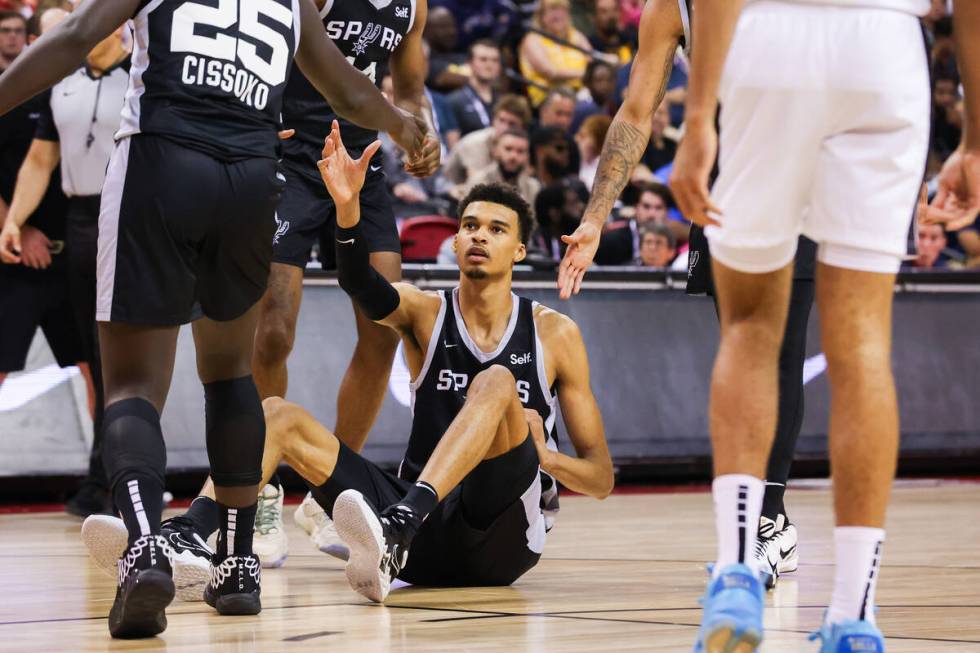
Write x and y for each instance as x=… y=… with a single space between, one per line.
x=269 y=542
x=312 y=518
x=378 y=543
x=106 y=537
x=234 y=585
x=732 y=618
x=850 y=637
x=776 y=549
x=145 y=589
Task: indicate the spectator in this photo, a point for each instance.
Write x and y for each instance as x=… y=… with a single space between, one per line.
x=930 y=241
x=630 y=12
x=481 y=19
x=600 y=80
x=590 y=138
x=661 y=150
x=447 y=67
x=473 y=152
x=473 y=104
x=557 y=110
x=655 y=205
x=942 y=56
x=611 y=37
x=658 y=247
x=548 y=63
x=558 y=208
x=947 y=116
x=551 y=155
x=511 y=154
x=13 y=37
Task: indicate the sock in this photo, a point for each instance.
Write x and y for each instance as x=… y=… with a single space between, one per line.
x=738 y=504
x=135 y=460
x=275 y=482
x=857 y=551
x=235 y=530
x=422 y=499
x=772 y=501
x=204 y=516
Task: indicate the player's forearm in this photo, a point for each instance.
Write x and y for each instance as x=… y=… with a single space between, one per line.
x=714 y=26
x=417 y=104
x=32 y=183
x=591 y=477
x=966 y=26
x=625 y=143
x=365 y=285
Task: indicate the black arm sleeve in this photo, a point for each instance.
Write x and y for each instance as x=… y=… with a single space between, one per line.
x=372 y=292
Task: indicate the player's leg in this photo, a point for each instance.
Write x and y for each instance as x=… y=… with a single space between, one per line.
x=490 y=424
x=276 y=331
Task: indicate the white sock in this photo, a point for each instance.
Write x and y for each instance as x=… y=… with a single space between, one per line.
x=738 y=505
x=857 y=551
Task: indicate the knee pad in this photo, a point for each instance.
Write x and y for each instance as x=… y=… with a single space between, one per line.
x=235 y=431
x=132 y=440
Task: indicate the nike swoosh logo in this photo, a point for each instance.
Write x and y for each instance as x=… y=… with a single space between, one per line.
x=447 y=345
x=346 y=242
x=783 y=554
x=375 y=168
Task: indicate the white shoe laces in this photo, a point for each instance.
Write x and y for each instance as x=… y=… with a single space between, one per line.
x=268 y=513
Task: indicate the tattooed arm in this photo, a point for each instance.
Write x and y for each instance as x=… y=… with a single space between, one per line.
x=660 y=32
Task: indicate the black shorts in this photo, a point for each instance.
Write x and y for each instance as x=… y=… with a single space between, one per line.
x=488 y=531
x=181 y=232
x=306 y=215
x=37 y=298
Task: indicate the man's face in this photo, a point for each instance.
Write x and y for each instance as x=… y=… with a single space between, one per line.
x=573 y=208
x=504 y=120
x=558 y=112
x=555 y=153
x=488 y=243
x=511 y=154
x=556 y=19
x=13 y=37
x=655 y=251
x=607 y=16
x=485 y=63
x=602 y=85
x=944 y=94
x=931 y=242
x=651 y=208
x=440 y=30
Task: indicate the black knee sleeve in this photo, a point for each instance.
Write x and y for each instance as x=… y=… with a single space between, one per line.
x=132 y=441
x=235 y=431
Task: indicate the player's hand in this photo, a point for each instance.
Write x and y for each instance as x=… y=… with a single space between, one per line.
x=10 y=251
x=536 y=426
x=582 y=246
x=410 y=136
x=428 y=160
x=34 y=248
x=957 y=202
x=286 y=134
x=689 y=178
x=343 y=176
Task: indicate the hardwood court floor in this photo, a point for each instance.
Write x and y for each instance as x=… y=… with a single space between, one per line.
x=619 y=575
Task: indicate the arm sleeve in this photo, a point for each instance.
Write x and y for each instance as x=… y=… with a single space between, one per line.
x=372 y=292
x=46 y=130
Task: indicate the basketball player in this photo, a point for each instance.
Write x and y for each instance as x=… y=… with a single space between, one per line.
x=184 y=230
x=664 y=25
x=824 y=132
x=476 y=489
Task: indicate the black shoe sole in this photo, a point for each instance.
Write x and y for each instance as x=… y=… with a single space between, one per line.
x=244 y=603
x=140 y=611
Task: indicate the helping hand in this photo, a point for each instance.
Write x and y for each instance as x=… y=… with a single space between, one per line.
x=343 y=176
x=582 y=246
x=957 y=202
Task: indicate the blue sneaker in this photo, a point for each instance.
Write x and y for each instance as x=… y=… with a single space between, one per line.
x=850 y=637
x=732 y=618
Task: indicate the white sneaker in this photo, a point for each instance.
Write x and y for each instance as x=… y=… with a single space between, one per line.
x=778 y=553
x=270 y=543
x=312 y=518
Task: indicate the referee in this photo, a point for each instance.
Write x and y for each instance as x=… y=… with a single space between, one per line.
x=76 y=128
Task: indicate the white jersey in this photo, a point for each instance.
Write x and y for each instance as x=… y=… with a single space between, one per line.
x=914 y=7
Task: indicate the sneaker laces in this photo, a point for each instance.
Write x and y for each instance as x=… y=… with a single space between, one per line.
x=268 y=514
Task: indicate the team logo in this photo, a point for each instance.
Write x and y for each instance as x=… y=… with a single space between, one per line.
x=401 y=12
x=282 y=226
x=692 y=263
x=367 y=37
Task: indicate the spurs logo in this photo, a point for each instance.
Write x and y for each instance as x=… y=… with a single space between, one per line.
x=282 y=226
x=692 y=263
x=367 y=37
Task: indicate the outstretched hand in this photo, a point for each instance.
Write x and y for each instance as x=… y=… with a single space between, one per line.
x=957 y=202
x=582 y=246
x=343 y=176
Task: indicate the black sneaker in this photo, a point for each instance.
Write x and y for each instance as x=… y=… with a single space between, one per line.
x=192 y=557
x=90 y=499
x=378 y=543
x=145 y=589
x=234 y=585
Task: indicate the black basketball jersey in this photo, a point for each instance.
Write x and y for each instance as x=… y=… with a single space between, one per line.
x=211 y=73
x=451 y=363
x=366 y=32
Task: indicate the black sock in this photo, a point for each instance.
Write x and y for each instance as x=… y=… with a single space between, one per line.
x=421 y=499
x=275 y=482
x=772 y=501
x=235 y=530
x=135 y=460
x=204 y=516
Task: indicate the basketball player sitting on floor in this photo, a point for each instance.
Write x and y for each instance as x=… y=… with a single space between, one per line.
x=476 y=490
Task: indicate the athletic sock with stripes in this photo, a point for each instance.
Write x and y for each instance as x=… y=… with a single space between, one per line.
x=857 y=551
x=235 y=530
x=738 y=504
